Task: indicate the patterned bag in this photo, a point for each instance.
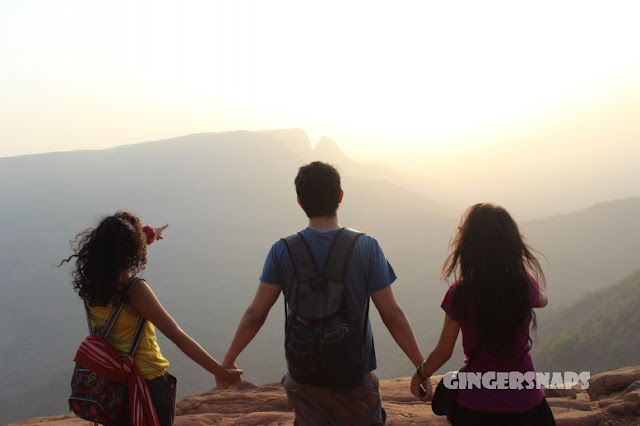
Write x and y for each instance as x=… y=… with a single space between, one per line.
x=95 y=398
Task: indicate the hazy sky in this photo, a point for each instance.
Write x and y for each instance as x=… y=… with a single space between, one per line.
x=383 y=79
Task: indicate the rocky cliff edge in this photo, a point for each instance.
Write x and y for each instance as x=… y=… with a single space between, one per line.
x=613 y=399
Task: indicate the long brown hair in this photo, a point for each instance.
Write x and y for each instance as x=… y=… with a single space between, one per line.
x=492 y=261
x=107 y=257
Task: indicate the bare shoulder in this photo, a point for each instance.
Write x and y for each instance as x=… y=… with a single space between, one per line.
x=139 y=294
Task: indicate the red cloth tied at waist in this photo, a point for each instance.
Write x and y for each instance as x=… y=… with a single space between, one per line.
x=97 y=355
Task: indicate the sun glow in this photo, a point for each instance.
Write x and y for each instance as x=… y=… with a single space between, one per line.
x=379 y=78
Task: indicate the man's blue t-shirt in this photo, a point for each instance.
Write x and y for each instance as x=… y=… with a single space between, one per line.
x=368 y=271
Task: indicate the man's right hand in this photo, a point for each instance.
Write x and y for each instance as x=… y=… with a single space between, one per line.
x=229 y=376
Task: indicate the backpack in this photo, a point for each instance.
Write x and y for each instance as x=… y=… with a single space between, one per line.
x=327 y=347
x=95 y=398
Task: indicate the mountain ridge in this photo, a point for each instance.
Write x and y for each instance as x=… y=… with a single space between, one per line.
x=227 y=198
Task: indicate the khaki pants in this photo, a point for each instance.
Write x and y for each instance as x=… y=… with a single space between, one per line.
x=314 y=405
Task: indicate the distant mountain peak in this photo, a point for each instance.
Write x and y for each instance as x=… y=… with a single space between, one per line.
x=326 y=147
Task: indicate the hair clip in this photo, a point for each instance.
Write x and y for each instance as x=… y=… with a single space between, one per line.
x=126 y=223
x=152 y=233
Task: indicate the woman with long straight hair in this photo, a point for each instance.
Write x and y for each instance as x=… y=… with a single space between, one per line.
x=498 y=281
x=108 y=258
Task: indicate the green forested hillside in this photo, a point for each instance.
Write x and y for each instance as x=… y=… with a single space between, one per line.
x=600 y=332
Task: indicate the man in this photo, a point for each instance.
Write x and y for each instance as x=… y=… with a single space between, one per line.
x=367 y=274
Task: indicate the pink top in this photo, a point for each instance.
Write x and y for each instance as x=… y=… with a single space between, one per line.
x=514 y=358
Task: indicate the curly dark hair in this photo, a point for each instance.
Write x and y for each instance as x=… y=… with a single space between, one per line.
x=107 y=257
x=491 y=259
x=318 y=186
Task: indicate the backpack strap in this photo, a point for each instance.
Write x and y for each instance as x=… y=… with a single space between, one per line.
x=113 y=316
x=138 y=335
x=106 y=329
x=335 y=267
x=306 y=268
x=304 y=265
x=92 y=329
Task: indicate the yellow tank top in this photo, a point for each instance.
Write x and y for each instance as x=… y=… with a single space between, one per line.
x=148 y=357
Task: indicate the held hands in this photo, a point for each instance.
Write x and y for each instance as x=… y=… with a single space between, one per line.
x=229 y=375
x=421 y=389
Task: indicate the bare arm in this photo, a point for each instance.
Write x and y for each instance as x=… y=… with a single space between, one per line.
x=440 y=355
x=397 y=323
x=144 y=302
x=252 y=320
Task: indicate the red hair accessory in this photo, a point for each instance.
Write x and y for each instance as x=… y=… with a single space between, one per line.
x=152 y=233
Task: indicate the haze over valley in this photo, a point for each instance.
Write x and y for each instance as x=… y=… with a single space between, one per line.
x=228 y=197
x=163 y=108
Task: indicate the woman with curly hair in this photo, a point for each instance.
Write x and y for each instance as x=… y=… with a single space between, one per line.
x=498 y=282
x=107 y=260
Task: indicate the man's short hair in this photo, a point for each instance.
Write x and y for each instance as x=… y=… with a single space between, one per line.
x=318 y=187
